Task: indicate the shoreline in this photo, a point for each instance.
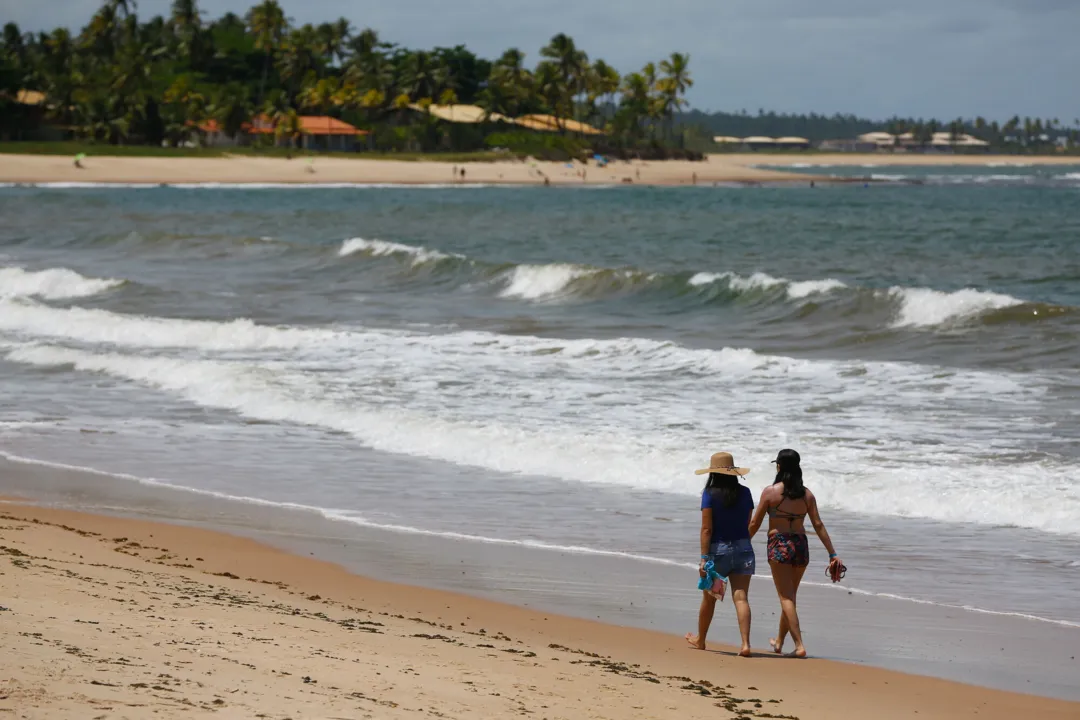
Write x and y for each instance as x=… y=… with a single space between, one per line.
x=205 y=578
x=235 y=170
x=717 y=169
x=842 y=622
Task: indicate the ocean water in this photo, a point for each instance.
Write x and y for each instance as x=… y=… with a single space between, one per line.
x=545 y=367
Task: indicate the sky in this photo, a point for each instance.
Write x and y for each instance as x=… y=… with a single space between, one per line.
x=917 y=58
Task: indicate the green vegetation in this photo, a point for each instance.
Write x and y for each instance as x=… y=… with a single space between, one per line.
x=75 y=147
x=127 y=83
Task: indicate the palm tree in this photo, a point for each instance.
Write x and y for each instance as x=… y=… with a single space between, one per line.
x=550 y=89
x=299 y=59
x=634 y=107
x=569 y=67
x=956 y=130
x=267 y=23
x=286 y=125
x=186 y=25
x=980 y=127
x=332 y=39
x=605 y=82
x=510 y=86
x=231 y=108
x=421 y=76
x=676 y=82
x=58 y=73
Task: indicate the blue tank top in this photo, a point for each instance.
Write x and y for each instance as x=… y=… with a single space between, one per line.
x=733 y=523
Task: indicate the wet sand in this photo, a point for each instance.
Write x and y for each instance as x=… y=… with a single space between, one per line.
x=114 y=617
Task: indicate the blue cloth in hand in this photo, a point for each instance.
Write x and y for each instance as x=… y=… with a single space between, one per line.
x=711 y=576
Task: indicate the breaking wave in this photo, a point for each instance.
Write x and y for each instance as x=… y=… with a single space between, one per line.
x=382 y=248
x=51 y=284
x=923 y=307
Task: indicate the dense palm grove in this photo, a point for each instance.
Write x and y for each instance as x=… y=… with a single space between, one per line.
x=124 y=81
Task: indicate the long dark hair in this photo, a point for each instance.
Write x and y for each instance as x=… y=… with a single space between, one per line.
x=789 y=472
x=723 y=488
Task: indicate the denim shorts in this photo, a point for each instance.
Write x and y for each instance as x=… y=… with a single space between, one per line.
x=733 y=558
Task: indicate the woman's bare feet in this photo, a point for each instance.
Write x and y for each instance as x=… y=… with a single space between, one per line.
x=745 y=652
x=777 y=647
x=694 y=642
x=798 y=652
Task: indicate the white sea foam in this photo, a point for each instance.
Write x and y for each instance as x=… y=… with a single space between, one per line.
x=705 y=278
x=587 y=410
x=796 y=290
x=1068 y=176
x=757 y=281
x=799 y=290
x=382 y=248
x=925 y=307
x=536 y=282
x=355 y=518
x=51 y=284
x=104 y=327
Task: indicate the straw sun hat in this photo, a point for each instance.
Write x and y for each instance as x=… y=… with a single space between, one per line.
x=722 y=463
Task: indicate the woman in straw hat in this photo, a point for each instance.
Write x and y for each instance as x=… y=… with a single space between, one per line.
x=787 y=502
x=726 y=507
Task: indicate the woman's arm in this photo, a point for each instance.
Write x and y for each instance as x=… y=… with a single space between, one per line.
x=706 y=537
x=706 y=529
x=819 y=527
x=758 y=515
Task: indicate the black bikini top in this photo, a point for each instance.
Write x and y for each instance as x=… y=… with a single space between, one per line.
x=776 y=512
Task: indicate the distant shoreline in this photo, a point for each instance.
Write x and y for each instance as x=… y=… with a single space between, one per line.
x=244 y=170
x=743 y=168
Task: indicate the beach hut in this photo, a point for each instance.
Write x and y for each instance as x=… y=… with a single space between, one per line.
x=551 y=123
x=317 y=132
x=759 y=142
x=793 y=143
x=943 y=140
x=879 y=139
x=466 y=114
x=727 y=140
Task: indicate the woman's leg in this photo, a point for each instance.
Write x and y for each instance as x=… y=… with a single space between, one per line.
x=778 y=642
x=705 y=615
x=740 y=587
x=784 y=579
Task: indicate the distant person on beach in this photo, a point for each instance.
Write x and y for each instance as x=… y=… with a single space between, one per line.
x=462 y=174
x=726 y=507
x=787 y=501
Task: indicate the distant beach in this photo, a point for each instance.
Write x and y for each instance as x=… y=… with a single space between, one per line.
x=319 y=170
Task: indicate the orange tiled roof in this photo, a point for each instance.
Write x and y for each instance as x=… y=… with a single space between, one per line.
x=309 y=125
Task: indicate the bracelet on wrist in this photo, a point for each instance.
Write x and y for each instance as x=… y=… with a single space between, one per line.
x=833 y=555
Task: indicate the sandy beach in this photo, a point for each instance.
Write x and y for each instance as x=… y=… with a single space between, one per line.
x=54 y=169
x=726 y=168
x=119 y=618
